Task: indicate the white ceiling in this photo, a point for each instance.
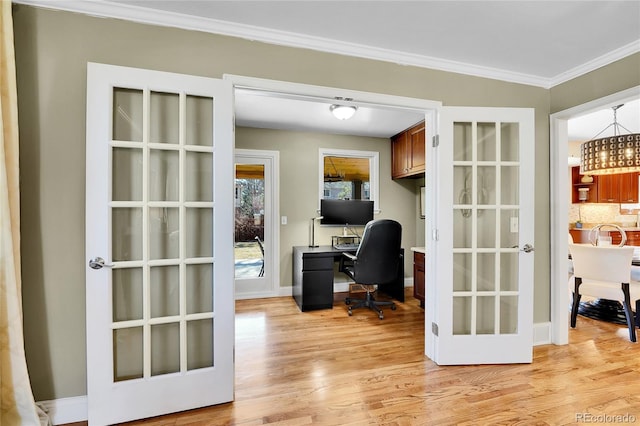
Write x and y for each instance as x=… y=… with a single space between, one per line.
x=541 y=43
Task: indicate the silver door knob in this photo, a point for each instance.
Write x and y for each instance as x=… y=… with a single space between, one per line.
x=98 y=263
x=527 y=248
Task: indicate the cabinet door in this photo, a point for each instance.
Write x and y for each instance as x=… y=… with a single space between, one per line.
x=628 y=187
x=608 y=191
x=415 y=141
x=418 y=277
x=399 y=155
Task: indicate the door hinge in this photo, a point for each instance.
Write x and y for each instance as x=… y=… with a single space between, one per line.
x=436 y=141
x=434 y=328
x=435 y=235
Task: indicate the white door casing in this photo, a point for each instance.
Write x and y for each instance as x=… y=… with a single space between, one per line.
x=479 y=276
x=159 y=211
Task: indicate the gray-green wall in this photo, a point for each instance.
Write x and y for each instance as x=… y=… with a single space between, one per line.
x=52 y=51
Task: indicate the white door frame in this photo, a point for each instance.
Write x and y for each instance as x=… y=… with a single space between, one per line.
x=560 y=206
x=428 y=107
x=272 y=219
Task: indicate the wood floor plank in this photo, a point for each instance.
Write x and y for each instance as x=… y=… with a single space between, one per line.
x=326 y=368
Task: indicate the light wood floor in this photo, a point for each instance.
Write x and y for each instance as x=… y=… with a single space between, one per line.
x=327 y=368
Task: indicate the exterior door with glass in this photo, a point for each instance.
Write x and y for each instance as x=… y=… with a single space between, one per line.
x=159 y=212
x=256 y=227
x=480 y=250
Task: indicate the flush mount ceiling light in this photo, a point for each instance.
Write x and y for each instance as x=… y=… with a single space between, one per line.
x=613 y=154
x=343 y=112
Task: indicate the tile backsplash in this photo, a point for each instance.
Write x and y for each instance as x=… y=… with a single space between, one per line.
x=595 y=213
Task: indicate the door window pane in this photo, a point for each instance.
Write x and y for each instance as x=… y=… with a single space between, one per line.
x=199 y=176
x=164 y=233
x=199 y=288
x=200 y=344
x=126 y=228
x=199 y=232
x=164 y=118
x=127 y=354
x=126 y=177
x=127 y=115
x=127 y=294
x=199 y=120
x=164 y=286
x=164 y=173
x=165 y=348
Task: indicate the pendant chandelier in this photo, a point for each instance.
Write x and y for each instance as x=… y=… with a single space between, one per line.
x=611 y=154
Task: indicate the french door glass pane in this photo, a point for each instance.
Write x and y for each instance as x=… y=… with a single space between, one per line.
x=165 y=118
x=127 y=183
x=165 y=348
x=199 y=123
x=164 y=175
x=485 y=234
x=127 y=294
x=127 y=353
x=199 y=232
x=127 y=114
x=486 y=142
x=199 y=176
x=199 y=288
x=200 y=341
x=164 y=233
x=126 y=238
x=164 y=286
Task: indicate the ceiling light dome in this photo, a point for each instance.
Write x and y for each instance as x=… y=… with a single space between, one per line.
x=343 y=112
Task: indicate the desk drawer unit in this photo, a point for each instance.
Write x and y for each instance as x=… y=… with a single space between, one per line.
x=312 y=279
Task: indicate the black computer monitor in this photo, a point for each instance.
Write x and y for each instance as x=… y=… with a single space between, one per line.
x=346 y=212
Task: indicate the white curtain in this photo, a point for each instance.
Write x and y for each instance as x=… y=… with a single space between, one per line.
x=17 y=405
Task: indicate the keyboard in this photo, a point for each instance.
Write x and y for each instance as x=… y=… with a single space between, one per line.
x=346 y=246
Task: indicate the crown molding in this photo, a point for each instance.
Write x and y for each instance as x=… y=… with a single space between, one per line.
x=170 y=19
x=601 y=61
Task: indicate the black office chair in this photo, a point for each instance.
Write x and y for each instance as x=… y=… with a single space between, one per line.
x=376 y=262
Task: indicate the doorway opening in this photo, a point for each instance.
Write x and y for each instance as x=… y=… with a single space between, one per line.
x=559 y=139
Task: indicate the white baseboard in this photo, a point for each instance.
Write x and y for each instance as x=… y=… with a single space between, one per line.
x=542 y=333
x=66 y=410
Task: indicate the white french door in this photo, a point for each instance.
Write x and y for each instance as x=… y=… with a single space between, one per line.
x=159 y=243
x=479 y=249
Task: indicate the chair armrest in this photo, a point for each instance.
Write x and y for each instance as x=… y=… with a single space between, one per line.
x=350 y=256
x=346 y=259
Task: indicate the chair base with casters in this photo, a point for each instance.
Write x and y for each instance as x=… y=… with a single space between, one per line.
x=368 y=302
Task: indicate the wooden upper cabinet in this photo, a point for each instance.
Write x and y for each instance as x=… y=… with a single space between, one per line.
x=629 y=188
x=621 y=188
x=408 y=153
x=608 y=189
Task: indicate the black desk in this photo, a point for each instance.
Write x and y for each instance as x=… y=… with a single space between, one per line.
x=313 y=277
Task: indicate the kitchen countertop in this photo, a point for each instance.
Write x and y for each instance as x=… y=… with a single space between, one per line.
x=589 y=226
x=418 y=249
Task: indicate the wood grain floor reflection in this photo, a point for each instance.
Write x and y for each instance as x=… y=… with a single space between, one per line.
x=326 y=368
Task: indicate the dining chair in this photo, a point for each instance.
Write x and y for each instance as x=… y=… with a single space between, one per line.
x=605 y=273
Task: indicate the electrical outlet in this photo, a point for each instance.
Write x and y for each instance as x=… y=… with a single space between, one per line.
x=283 y=220
x=514 y=224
